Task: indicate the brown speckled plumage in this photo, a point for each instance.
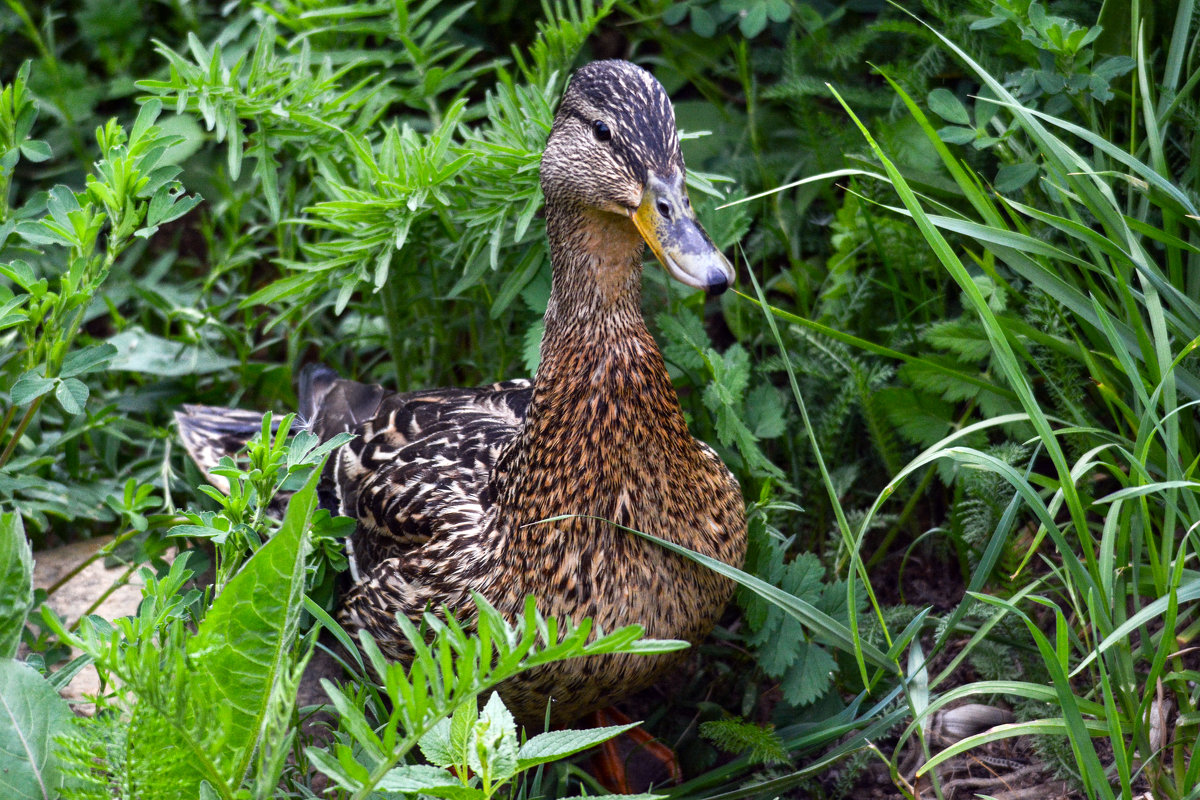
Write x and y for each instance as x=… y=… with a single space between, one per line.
x=449 y=485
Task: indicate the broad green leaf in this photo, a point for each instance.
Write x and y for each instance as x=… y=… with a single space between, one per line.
x=703 y=22
x=943 y=103
x=554 y=745
x=22 y=274
x=955 y=134
x=72 y=395
x=29 y=388
x=16 y=582
x=778 y=10
x=45 y=231
x=242 y=649
x=753 y=20
x=168 y=206
x=35 y=150
x=331 y=766
x=462 y=728
x=414 y=778
x=1011 y=177
x=147 y=353
x=435 y=744
x=87 y=359
x=31 y=715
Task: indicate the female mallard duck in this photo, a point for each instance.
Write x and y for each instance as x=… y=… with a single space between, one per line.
x=445 y=483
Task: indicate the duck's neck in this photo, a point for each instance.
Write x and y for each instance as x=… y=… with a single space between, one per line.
x=597 y=263
x=603 y=404
x=596 y=344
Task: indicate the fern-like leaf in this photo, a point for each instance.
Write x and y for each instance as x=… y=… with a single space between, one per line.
x=760 y=743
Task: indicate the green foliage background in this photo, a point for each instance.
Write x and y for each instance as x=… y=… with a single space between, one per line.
x=958 y=384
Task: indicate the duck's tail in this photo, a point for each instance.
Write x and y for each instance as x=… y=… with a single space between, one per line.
x=210 y=433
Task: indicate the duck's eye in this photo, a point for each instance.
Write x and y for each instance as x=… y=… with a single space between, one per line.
x=601 y=130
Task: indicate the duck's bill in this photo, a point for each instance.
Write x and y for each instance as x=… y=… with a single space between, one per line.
x=668 y=224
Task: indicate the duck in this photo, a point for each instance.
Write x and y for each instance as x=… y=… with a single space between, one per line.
x=532 y=487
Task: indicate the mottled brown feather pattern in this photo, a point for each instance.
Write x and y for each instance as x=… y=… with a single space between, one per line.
x=450 y=486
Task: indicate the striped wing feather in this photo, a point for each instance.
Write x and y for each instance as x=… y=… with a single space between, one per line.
x=420 y=462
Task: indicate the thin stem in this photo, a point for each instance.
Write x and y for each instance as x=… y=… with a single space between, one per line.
x=8 y=415
x=100 y=553
x=20 y=431
x=117 y=584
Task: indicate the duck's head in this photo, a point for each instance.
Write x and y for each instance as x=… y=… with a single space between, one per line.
x=614 y=149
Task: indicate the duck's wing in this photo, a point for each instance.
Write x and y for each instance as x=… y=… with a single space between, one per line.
x=420 y=462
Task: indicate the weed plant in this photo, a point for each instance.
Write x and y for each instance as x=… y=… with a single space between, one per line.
x=963 y=354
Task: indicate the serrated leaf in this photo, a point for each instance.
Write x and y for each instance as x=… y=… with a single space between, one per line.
x=16 y=582
x=965 y=337
x=923 y=375
x=730 y=428
x=779 y=642
x=810 y=675
x=803 y=576
x=531 y=352
x=494 y=741
x=686 y=342
x=918 y=418
x=781 y=637
x=435 y=745
x=28 y=388
x=731 y=372
x=762 y=745
x=72 y=395
x=765 y=412
x=88 y=359
x=414 y=778
x=554 y=745
x=242 y=648
x=31 y=715
x=462 y=728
